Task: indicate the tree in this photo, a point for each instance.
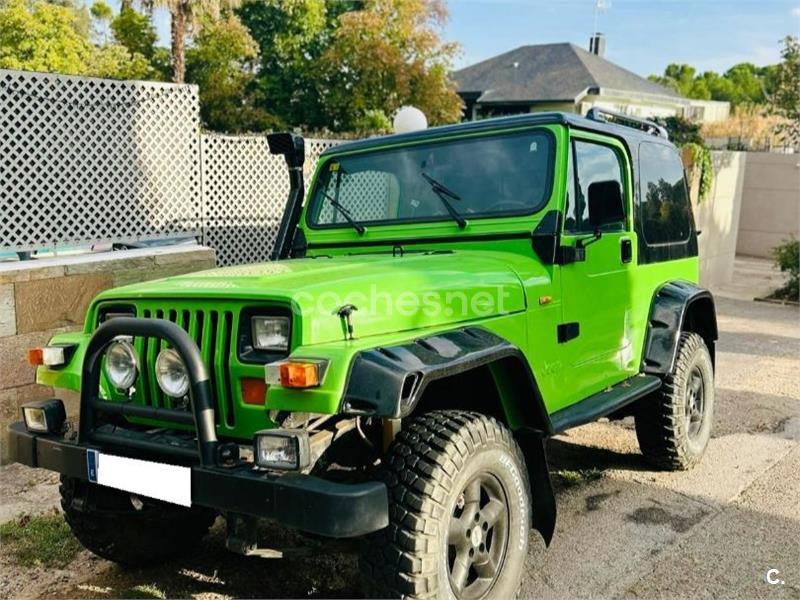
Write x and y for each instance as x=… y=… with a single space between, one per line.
x=135 y=31
x=320 y=60
x=786 y=99
x=42 y=37
x=678 y=77
x=49 y=37
x=291 y=37
x=102 y=14
x=721 y=89
x=114 y=61
x=186 y=15
x=82 y=18
x=746 y=80
x=743 y=83
x=220 y=63
x=384 y=56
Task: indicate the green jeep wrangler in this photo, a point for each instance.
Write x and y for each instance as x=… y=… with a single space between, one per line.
x=442 y=303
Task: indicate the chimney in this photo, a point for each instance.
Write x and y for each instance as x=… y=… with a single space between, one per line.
x=597 y=44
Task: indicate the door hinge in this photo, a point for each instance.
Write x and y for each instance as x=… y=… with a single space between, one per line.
x=568 y=331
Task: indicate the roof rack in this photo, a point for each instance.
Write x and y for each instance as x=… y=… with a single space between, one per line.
x=601 y=114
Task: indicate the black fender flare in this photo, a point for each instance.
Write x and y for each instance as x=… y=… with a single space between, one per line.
x=389 y=382
x=677 y=306
x=543 y=509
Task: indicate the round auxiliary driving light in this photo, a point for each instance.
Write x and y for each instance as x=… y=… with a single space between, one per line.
x=171 y=374
x=121 y=363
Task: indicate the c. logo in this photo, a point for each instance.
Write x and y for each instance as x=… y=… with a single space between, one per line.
x=772 y=577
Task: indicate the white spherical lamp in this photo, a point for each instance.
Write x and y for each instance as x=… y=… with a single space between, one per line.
x=409 y=118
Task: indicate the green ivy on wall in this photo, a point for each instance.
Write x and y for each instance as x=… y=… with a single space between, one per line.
x=701 y=160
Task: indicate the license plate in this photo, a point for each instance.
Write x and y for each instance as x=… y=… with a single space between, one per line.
x=169 y=483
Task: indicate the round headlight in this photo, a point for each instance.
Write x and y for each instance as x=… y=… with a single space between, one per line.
x=171 y=374
x=121 y=364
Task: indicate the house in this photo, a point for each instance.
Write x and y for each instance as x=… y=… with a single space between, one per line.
x=565 y=77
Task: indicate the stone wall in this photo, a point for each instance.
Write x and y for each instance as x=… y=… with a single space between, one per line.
x=43 y=297
x=770 y=202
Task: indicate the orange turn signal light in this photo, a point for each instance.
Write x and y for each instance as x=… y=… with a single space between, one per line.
x=51 y=356
x=295 y=374
x=36 y=357
x=299 y=375
x=254 y=391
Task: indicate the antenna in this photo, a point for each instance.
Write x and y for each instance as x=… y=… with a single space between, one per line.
x=600 y=6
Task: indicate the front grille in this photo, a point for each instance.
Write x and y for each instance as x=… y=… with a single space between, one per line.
x=212 y=331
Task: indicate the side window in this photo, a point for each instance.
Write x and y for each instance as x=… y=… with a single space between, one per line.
x=663 y=198
x=591 y=163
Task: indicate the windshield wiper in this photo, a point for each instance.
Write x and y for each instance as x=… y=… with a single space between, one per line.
x=443 y=192
x=345 y=213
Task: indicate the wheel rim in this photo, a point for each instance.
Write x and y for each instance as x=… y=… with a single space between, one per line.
x=477 y=537
x=695 y=403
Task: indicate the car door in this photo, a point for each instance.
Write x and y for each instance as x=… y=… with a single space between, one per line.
x=595 y=331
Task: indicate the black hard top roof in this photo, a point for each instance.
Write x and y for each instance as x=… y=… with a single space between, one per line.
x=631 y=135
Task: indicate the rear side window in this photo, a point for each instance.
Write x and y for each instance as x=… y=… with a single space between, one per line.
x=664 y=201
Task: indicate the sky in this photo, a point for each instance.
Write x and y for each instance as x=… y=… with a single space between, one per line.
x=643 y=36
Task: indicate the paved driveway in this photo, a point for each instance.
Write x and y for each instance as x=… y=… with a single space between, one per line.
x=623 y=530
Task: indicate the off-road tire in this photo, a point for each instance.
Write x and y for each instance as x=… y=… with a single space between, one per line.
x=106 y=523
x=662 y=425
x=429 y=469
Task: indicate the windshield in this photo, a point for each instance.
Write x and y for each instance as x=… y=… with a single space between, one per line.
x=489 y=176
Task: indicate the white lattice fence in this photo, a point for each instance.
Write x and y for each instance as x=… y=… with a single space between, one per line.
x=86 y=160
x=244 y=194
x=89 y=160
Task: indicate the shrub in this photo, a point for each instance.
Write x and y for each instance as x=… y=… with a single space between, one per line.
x=787 y=259
x=685 y=134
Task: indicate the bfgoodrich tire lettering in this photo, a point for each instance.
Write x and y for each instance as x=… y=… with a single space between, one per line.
x=105 y=521
x=435 y=469
x=673 y=425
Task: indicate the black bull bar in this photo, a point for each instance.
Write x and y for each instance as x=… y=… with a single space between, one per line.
x=201 y=402
x=296 y=500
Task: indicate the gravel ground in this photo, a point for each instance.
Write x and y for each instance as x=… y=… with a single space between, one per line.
x=624 y=532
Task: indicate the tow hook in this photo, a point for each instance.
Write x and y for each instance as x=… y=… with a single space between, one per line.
x=228 y=454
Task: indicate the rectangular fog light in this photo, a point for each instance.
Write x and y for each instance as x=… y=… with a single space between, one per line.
x=285 y=449
x=45 y=416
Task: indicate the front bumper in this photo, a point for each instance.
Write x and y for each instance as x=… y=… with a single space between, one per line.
x=295 y=500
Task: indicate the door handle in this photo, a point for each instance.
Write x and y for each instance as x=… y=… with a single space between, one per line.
x=626 y=250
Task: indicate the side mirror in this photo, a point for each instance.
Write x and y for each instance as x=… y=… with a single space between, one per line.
x=606 y=205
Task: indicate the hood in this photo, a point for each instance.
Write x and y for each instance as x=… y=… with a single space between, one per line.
x=390 y=293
